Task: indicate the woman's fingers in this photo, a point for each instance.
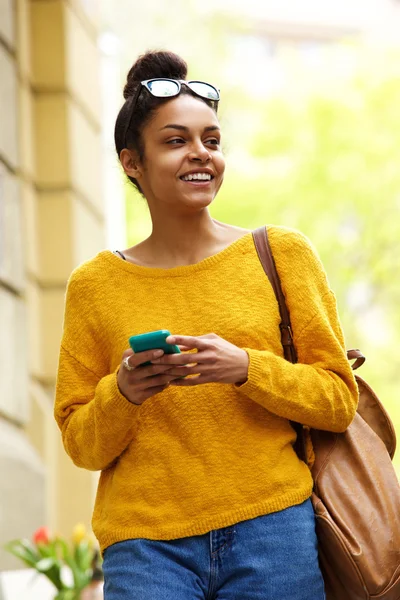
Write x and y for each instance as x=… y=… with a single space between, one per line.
x=214 y=360
x=175 y=359
x=137 y=359
x=190 y=381
x=185 y=370
x=148 y=371
x=159 y=380
x=189 y=341
x=138 y=382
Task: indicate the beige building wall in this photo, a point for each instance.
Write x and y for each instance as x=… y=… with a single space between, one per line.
x=51 y=219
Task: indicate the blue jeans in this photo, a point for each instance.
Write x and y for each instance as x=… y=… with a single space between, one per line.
x=272 y=557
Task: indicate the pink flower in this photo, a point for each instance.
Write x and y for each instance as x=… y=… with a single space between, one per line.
x=41 y=535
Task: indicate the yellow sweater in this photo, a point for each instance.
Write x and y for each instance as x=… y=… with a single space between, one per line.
x=193 y=459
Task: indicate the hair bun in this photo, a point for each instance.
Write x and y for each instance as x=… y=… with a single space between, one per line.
x=154 y=64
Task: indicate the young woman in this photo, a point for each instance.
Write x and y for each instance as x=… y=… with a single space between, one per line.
x=201 y=493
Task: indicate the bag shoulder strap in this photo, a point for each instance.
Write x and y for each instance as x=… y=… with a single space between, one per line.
x=264 y=252
x=263 y=248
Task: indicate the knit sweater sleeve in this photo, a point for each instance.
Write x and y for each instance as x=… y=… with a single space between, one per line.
x=97 y=422
x=320 y=390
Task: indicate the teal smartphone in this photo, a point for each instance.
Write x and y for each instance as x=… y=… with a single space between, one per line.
x=153 y=340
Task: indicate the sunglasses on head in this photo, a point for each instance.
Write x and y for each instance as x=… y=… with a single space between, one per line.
x=162 y=87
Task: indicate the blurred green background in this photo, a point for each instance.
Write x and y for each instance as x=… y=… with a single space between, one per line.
x=311 y=136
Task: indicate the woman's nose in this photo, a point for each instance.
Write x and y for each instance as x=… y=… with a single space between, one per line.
x=200 y=153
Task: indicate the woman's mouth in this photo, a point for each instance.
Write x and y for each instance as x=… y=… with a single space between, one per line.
x=197 y=179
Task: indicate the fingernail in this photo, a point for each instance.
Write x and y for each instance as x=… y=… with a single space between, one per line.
x=158 y=353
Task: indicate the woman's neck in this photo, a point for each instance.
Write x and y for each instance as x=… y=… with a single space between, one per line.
x=178 y=242
x=184 y=239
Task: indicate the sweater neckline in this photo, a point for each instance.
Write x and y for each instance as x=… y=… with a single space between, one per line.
x=180 y=271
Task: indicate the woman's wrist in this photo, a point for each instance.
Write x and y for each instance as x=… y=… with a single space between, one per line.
x=122 y=392
x=243 y=369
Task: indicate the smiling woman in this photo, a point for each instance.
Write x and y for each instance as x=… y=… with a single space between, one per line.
x=144 y=96
x=187 y=165
x=201 y=493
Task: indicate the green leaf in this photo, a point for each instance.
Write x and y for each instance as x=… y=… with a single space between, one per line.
x=51 y=567
x=23 y=552
x=78 y=562
x=63 y=549
x=30 y=548
x=45 y=564
x=83 y=555
x=48 y=550
x=70 y=562
x=68 y=595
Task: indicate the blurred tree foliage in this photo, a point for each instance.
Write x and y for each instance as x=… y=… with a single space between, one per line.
x=322 y=155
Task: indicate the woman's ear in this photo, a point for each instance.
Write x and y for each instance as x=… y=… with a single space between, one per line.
x=130 y=163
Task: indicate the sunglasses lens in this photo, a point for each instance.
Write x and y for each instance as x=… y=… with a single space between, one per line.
x=163 y=87
x=205 y=90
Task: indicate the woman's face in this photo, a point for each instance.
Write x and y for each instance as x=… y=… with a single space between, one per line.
x=183 y=165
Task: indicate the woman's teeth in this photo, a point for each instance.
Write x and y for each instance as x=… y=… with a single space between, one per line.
x=198 y=176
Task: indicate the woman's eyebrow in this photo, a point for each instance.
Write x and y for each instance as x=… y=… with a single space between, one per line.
x=184 y=128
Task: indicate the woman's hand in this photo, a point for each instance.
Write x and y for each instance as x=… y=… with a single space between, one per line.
x=143 y=381
x=216 y=360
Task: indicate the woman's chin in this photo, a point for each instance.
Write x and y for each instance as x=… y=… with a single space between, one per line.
x=198 y=201
x=199 y=195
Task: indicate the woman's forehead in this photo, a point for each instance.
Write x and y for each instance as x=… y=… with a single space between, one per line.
x=187 y=111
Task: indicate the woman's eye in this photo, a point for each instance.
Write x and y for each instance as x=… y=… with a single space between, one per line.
x=176 y=141
x=213 y=141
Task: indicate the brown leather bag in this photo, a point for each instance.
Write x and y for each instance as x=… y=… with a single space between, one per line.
x=356 y=494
